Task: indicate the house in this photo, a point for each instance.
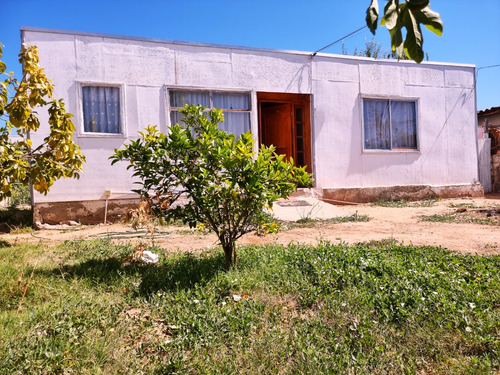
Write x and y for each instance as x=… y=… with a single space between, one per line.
x=367 y=129
x=490 y=136
x=492 y=115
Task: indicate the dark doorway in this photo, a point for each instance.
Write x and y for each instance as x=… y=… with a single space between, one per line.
x=285 y=122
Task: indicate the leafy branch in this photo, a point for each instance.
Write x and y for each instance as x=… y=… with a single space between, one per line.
x=57 y=156
x=408 y=15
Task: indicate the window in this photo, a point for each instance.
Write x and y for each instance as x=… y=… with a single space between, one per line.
x=389 y=124
x=101 y=109
x=235 y=106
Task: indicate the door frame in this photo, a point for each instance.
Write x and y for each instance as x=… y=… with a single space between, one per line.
x=297 y=101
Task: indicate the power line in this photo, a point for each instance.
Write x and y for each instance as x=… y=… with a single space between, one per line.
x=486 y=67
x=338 y=40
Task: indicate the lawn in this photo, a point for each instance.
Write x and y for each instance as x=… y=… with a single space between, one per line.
x=372 y=308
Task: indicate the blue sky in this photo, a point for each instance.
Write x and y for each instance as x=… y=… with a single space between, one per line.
x=471 y=28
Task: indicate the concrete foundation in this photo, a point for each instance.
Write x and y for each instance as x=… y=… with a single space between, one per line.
x=83 y=212
x=393 y=193
x=93 y=212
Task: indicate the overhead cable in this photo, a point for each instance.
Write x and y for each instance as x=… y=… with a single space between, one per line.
x=338 y=40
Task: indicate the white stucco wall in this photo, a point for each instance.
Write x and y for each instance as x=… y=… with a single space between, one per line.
x=145 y=68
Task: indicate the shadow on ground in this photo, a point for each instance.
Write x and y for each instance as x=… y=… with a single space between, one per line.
x=183 y=272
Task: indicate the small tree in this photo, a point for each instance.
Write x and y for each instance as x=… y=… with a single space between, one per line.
x=58 y=156
x=374 y=48
x=409 y=15
x=226 y=185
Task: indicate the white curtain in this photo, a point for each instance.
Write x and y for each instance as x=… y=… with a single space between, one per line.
x=179 y=98
x=404 y=124
x=234 y=122
x=231 y=101
x=101 y=109
x=376 y=124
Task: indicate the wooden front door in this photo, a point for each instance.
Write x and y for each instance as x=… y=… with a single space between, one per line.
x=284 y=122
x=276 y=129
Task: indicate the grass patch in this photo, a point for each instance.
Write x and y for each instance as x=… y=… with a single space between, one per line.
x=427 y=202
x=349 y=219
x=460 y=218
x=474 y=206
x=372 y=308
x=309 y=222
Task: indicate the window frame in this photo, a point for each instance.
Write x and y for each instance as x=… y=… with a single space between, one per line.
x=390 y=99
x=81 y=128
x=250 y=93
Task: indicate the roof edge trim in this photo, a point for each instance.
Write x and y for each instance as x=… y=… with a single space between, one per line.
x=244 y=48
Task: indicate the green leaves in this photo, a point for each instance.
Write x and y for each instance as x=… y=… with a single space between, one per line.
x=58 y=156
x=408 y=15
x=431 y=20
x=372 y=16
x=225 y=184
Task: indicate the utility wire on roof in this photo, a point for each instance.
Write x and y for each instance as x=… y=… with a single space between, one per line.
x=486 y=67
x=338 y=40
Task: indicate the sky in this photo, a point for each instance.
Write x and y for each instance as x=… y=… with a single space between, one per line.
x=471 y=28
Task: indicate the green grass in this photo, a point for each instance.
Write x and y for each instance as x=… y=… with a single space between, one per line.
x=427 y=202
x=459 y=218
x=372 y=308
x=470 y=205
x=308 y=222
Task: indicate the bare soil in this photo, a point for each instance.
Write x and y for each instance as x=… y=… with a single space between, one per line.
x=403 y=224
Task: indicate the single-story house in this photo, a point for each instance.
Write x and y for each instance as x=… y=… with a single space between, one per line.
x=367 y=129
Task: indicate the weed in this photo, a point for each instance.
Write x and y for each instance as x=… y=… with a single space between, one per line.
x=309 y=222
x=471 y=205
x=427 y=202
x=348 y=219
x=458 y=218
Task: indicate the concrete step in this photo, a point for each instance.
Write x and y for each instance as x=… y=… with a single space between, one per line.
x=296 y=208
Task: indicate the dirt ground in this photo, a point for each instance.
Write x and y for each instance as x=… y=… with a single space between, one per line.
x=403 y=224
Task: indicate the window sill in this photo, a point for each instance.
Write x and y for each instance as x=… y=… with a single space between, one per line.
x=392 y=152
x=102 y=135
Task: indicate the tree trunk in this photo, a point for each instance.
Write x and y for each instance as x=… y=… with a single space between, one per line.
x=229 y=254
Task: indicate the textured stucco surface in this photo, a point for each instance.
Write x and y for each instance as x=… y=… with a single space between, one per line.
x=145 y=69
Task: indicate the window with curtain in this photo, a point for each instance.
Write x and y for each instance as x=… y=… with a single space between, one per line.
x=101 y=109
x=389 y=124
x=235 y=107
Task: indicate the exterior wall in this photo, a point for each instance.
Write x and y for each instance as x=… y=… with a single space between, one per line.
x=446 y=120
x=144 y=69
x=85 y=212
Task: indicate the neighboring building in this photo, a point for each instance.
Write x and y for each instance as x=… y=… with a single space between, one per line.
x=367 y=129
x=492 y=115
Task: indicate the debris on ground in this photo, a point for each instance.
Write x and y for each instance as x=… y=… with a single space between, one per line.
x=149 y=257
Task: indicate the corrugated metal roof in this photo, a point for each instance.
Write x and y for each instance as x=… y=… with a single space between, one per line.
x=489 y=111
